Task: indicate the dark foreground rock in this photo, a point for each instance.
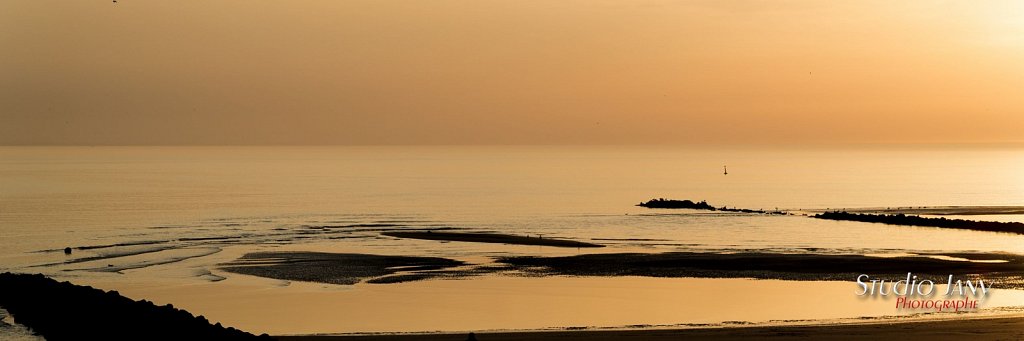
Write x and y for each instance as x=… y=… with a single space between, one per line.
x=64 y=311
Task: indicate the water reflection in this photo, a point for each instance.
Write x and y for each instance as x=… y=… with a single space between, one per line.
x=500 y=303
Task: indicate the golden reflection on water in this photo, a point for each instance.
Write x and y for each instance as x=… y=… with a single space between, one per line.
x=502 y=303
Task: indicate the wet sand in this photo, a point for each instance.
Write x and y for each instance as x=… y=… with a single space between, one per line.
x=987 y=328
x=491 y=238
x=1006 y=270
x=339 y=268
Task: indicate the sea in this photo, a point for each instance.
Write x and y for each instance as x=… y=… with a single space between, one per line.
x=157 y=223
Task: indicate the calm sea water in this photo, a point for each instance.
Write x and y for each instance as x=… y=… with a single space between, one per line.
x=260 y=197
x=54 y=196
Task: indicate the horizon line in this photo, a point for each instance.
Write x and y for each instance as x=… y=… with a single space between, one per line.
x=748 y=145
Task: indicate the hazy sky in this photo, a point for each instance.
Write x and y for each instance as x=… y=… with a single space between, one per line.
x=510 y=72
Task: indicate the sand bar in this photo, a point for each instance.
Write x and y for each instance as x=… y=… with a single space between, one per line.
x=491 y=238
x=339 y=268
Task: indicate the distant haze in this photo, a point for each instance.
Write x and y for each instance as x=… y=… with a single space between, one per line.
x=510 y=72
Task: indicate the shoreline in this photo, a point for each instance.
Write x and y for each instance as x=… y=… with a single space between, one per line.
x=994 y=326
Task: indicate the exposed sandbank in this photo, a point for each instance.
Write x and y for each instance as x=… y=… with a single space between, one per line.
x=1006 y=270
x=490 y=238
x=340 y=268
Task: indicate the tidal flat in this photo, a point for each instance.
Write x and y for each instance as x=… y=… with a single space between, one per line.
x=339 y=268
x=1006 y=270
x=480 y=237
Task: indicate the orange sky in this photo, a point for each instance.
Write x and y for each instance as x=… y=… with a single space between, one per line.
x=510 y=72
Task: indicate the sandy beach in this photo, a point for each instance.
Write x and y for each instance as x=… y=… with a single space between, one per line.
x=982 y=328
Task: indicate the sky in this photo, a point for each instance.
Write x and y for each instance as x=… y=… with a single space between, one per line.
x=353 y=72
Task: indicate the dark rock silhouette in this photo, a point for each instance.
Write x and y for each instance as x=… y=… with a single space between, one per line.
x=913 y=220
x=64 y=311
x=472 y=337
x=701 y=205
x=67 y=251
x=671 y=203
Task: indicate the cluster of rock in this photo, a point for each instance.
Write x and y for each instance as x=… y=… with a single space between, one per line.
x=64 y=311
